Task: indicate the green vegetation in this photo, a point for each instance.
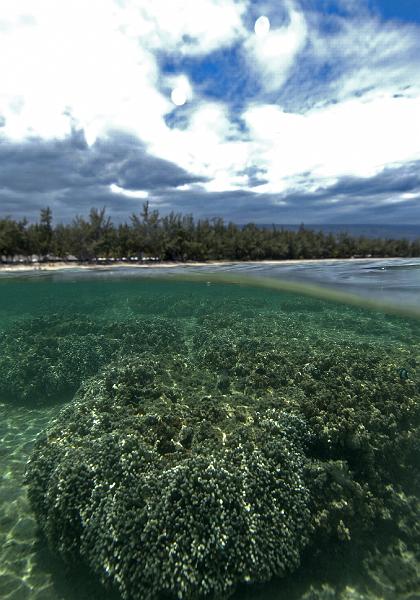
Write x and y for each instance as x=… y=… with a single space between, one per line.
x=282 y=438
x=177 y=237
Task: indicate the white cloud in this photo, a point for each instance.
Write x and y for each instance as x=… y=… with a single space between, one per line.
x=354 y=137
x=273 y=55
x=368 y=115
x=94 y=61
x=366 y=54
x=210 y=146
x=74 y=61
x=187 y=26
x=116 y=189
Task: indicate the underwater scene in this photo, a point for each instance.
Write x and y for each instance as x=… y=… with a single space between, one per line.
x=206 y=437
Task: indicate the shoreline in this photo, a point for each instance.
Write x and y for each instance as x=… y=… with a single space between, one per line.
x=60 y=266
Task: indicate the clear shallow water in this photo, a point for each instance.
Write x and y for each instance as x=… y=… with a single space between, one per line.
x=394 y=280
x=391 y=280
x=349 y=374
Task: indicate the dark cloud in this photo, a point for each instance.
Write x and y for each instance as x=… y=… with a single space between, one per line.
x=71 y=178
x=361 y=200
x=44 y=167
x=391 y=180
x=255 y=176
x=350 y=200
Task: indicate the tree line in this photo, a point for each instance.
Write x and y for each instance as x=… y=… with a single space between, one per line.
x=178 y=237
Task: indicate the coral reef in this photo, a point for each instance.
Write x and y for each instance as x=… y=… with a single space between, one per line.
x=205 y=453
x=326 y=592
x=159 y=495
x=47 y=358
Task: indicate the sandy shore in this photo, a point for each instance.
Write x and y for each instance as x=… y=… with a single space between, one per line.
x=59 y=266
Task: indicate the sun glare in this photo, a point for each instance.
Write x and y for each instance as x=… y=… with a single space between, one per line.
x=262 y=26
x=178 y=96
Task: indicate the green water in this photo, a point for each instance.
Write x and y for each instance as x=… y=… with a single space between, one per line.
x=206 y=438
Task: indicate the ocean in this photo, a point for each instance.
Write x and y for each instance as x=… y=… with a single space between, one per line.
x=395 y=281
x=247 y=431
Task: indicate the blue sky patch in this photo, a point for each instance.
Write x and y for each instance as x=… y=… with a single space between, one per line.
x=220 y=75
x=404 y=10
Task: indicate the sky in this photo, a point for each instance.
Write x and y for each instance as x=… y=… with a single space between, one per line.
x=276 y=111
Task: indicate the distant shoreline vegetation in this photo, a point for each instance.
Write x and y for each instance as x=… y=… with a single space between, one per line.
x=180 y=238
